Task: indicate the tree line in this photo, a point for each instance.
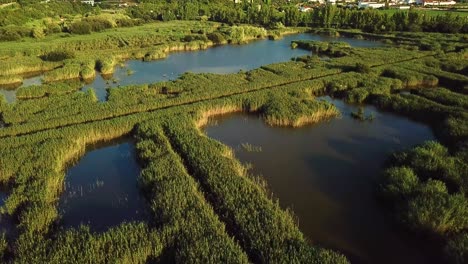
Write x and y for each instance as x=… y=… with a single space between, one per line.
x=13 y=20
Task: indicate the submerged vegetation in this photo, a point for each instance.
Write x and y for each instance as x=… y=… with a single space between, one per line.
x=361 y=116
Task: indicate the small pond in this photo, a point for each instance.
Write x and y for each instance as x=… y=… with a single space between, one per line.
x=101 y=188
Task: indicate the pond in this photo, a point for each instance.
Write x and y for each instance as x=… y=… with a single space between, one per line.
x=220 y=59
x=328 y=173
x=101 y=188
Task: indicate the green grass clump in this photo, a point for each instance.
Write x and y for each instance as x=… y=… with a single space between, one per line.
x=10 y=80
x=106 y=65
x=67 y=72
x=242 y=34
x=287 y=110
x=334 y=49
x=38 y=91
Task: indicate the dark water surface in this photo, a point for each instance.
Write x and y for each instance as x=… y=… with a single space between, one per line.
x=7 y=224
x=328 y=173
x=101 y=188
x=220 y=59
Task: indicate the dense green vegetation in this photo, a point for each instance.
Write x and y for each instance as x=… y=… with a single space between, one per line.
x=176 y=201
x=79 y=57
x=295 y=111
x=196 y=191
x=427 y=187
x=90 y=38
x=39 y=19
x=267 y=233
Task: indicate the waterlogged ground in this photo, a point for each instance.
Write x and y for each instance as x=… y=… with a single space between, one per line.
x=328 y=173
x=221 y=59
x=101 y=188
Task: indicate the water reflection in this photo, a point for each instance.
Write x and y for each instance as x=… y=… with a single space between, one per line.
x=220 y=59
x=101 y=189
x=328 y=173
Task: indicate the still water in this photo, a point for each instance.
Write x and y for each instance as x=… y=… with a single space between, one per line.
x=7 y=224
x=101 y=188
x=328 y=174
x=221 y=59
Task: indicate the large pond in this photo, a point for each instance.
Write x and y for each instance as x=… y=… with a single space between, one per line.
x=220 y=59
x=101 y=188
x=327 y=174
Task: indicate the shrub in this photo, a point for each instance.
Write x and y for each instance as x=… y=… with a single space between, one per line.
x=125 y=22
x=38 y=33
x=362 y=68
x=436 y=211
x=80 y=28
x=216 y=38
x=52 y=28
x=400 y=182
x=98 y=24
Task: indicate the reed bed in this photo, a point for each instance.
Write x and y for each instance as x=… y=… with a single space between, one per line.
x=10 y=80
x=197 y=191
x=176 y=200
x=240 y=203
x=295 y=112
x=329 y=76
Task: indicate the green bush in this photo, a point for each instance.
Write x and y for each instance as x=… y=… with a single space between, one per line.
x=97 y=24
x=216 y=38
x=362 y=68
x=80 y=28
x=400 y=182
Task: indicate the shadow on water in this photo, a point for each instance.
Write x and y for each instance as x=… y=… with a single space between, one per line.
x=7 y=223
x=328 y=173
x=101 y=188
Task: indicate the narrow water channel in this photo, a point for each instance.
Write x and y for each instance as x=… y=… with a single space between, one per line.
x=101 y=188
x=327 y=174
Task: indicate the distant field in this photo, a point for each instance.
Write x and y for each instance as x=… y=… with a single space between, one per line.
x=429 y=12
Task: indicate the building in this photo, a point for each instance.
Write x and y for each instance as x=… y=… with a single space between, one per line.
x=435 y=3
x=88 y=2
x=365 y=4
